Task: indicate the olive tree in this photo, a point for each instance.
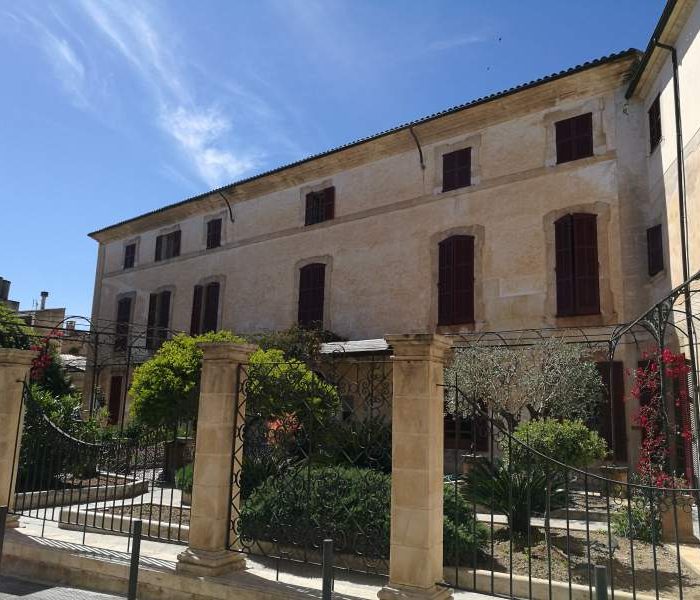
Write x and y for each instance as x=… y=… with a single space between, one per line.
x=549 y=379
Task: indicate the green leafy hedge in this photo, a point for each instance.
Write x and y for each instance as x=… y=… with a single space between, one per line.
x=349 y=505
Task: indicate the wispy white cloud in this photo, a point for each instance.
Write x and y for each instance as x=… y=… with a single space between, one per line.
x=456 y=42
x=67 y=66
x=202 y=130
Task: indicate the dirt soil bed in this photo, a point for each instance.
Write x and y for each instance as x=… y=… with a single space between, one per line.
x=153 y=512
x=649 y=574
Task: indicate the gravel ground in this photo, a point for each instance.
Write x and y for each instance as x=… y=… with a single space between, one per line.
x=154 y=512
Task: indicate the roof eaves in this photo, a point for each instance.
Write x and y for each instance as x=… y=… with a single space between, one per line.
x=404 y=126
x=651 y=46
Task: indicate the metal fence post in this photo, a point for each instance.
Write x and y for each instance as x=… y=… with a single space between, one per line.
x=3 y=520
x=327 y=590
x=134 y=568
x=601 y=582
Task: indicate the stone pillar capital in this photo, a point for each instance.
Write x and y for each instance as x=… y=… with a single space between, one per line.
x=229 y=352
x=19 y=358
x=419 y=346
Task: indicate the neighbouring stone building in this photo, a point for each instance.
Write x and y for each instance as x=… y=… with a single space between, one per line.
x=551 y=204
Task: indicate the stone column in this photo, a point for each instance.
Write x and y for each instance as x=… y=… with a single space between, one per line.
x=207 y=553
x=14 y=368
x=417 y=468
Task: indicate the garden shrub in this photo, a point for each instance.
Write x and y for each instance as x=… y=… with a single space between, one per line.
x=349 y=505
x=299 y=343
x=165 y=388
x=184 y=478
x=569 y=442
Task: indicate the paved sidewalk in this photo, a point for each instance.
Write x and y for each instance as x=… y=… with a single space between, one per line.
x=16 y=588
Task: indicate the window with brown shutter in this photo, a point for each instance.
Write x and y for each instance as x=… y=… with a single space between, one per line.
x=655 y=123
x=456 y=169
x=129 y=256
x=168 y=245
x=115 y=399
x=574 y=138
x=205 y=308
x=456 y=280
x=576 y=249
x=611 y=410
x=213 y=233
x=312 y=281
x=320 y=206
x=158 y=325
x=655 y=250
x=121 y=337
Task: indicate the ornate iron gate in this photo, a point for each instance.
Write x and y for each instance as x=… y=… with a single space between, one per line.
x=101 y=485
x=312 y=460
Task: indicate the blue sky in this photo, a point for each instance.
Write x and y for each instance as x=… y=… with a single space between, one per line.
x=111 y=109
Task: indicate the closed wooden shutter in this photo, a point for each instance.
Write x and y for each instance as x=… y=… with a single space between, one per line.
x=655 y=250
x=159 y=248
x=611 y=412
x=196 y=320
x=176 y=236
x=456 y=280
x=587 y=296
x=456 y=169
x=150 y=328
x=214 y=233
x=115 y=399
x=655 y=123
x=122 y=329
x=328 y=203
x=211 y=307
x=574 y=138
x=164 y=310
x=563 y=234
x=312 y=279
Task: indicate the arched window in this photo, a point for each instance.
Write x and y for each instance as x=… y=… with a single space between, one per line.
x=576 y=243
x=456 y=280
x=312 y=281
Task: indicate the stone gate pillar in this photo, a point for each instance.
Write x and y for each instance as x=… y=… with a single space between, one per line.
x=208 y=553
x=417 y=468
x=14 y=368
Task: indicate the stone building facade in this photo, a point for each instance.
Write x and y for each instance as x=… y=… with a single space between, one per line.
x=530 y=208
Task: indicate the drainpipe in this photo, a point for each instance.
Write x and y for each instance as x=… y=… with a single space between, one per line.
x=682 y=211
x=680 y=162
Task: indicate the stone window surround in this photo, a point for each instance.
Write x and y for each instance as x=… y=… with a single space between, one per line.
x=327 y=260
x=478 y=233
x=595 y=106
x=602 y=210
x=223 y=215
x=473 y=142
x=303 y=191
x=221 y=280
x=137 y=242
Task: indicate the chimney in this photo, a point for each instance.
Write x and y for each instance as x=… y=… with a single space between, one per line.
x=4 y=289
x=44 y=296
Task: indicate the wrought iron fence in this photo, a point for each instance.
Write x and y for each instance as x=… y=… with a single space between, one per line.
x=521 y=524
x=312 y=460
x=103 y=483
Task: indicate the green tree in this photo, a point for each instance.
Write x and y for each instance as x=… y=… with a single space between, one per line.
x=165 y=388
x=13 y=331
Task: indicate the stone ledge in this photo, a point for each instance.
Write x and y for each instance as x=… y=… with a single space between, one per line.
x=107 y=571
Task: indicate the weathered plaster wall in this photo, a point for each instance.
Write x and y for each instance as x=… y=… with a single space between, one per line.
x=390 y=215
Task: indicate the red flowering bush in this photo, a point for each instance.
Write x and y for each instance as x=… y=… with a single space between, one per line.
x=661 y=365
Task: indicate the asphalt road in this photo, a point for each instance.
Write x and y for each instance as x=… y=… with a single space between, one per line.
x=16 y=588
